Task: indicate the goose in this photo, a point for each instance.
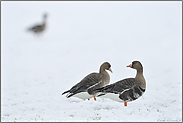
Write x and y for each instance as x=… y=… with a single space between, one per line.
x=39 y=28
x=128 y=89
x=85 y=88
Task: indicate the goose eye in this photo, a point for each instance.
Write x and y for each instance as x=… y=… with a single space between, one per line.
x=109 y=66
x=133 y=64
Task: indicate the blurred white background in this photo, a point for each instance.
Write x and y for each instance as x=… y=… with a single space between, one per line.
x=79 y=37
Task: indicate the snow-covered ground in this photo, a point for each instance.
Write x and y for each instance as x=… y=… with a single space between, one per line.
x=80 y=36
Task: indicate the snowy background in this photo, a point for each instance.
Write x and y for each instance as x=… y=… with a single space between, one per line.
x=79 y=37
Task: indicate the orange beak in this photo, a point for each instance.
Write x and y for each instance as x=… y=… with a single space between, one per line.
x=110 y=70
x=129 y=65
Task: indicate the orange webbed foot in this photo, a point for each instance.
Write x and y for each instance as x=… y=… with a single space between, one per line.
x=94 y=98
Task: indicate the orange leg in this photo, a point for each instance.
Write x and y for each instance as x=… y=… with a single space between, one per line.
x=94 y=98
x=125 y=103
x=88 y=98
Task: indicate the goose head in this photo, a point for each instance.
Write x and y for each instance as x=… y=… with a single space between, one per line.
x=136 y=65
x=106 y=66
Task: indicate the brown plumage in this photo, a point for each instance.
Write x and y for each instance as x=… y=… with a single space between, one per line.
x=85 y=88
x=39 y=28
x=126 y=90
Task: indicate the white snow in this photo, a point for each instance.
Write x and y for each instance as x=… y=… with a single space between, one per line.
x=80 y=36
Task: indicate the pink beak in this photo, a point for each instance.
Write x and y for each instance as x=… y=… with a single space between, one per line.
x=129 y=65
x=110 y=70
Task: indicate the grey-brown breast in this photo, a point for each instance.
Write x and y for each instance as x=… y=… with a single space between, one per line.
x=132 y=93
x=128 y=89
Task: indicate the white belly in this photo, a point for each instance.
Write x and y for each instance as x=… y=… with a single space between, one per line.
x=83 y=95
x=113 y=96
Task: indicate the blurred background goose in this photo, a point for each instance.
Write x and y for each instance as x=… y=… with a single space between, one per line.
x=85 y=88
x=126 y=90
x=39 y=28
